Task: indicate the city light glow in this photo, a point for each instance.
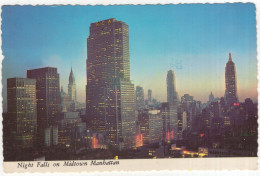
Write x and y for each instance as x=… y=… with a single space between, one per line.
x=94 y=142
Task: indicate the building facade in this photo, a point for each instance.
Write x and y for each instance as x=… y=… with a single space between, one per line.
x=48 y=98
x=151 y=126
x=139 y=94
x=110 y=98
x=167 y=124
x=51 y=136
x=231 y=82
x=70 y=125
x=22 y=112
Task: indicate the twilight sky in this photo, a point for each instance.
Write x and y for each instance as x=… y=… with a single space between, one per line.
x=193 y=40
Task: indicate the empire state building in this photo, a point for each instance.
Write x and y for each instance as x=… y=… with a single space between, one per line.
x=231 y=82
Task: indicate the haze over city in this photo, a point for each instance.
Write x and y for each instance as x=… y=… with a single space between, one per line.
x=192 y=40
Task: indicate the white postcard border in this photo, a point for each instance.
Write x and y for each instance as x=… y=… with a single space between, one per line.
x=223 y=164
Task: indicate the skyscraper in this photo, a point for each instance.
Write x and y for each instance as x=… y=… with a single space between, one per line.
x=72 y=87
x=149 y=95
x=172 y=99
x=22 y=112
x=171 y=87
x=139 y=98
x=231 y=82
x=48 y=98
x=110 y=100
x=211 y=97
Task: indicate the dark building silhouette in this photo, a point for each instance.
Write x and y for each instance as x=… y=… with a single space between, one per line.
x=139 y=94
x=48 y=98
x=22 y=112
x=151 y=126
x=186 y=98
x=188 y=110
x=149 y=95
x=166 y=121
x=173 y=101
x=110 y=98
x=211 y=97
x=72 y=87
x=172 y=95
x=231 y=82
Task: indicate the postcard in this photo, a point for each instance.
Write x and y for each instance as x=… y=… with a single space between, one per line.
x=129 y=87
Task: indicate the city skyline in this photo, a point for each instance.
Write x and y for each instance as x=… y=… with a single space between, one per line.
x=186 y=51
x=117 y=120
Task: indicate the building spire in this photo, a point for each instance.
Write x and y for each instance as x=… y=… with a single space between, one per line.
x=71 y=78
x=231 y=82
x=72 y=87
x=230 y=58
x=211 y=97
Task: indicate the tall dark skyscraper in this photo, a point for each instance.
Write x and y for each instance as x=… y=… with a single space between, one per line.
x=139 y=93
x=72 y=87
x=110 y=98
x=231 y=82
x=22 y=112
x=48 y=98
x=172 y=99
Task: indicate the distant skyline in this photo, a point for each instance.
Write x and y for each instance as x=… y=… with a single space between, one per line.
x=193 y=40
